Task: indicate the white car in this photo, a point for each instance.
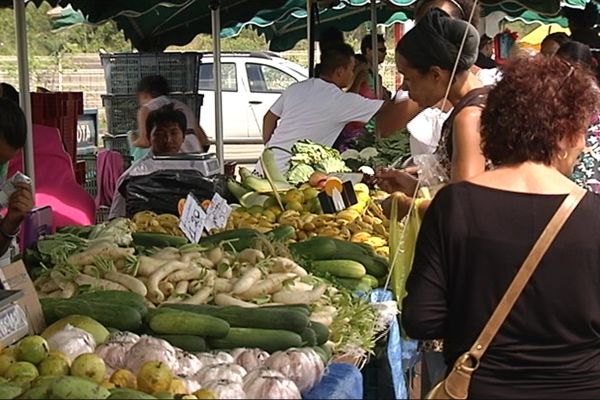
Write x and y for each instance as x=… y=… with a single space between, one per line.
x=251 y=83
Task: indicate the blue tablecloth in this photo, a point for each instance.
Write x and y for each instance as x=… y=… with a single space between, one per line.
x=341 y=381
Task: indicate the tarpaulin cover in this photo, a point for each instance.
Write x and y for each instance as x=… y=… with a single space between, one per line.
x=161 y=191
x=341 y=381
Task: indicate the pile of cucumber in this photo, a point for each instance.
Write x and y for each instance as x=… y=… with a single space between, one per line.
x=352 y=265
x=197 y=328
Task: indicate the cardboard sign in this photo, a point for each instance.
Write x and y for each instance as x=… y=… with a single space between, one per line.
x=15 y=277
x=192 y=220
x=217 y=213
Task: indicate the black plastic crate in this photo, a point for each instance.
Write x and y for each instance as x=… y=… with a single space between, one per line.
x=123 y=71
x=121 y=110
x=90 y=184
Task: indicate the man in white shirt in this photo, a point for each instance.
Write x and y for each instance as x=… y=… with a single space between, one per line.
x=317 y=108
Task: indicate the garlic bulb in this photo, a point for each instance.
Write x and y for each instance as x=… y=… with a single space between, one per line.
x=192 y=385
x=187 y=364
x=72 y=342
x=151 y=349
x=208 y=359
x=225 y=389
x=262 y=372
x=266 y=385
x=250 y=359
x=229 y=372
x=298 y=365
x=123 y=337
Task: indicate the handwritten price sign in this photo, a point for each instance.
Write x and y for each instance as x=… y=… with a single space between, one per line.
x=192 y=220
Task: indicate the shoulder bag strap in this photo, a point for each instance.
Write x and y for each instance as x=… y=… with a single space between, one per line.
x=456 y=385
x=525 y=272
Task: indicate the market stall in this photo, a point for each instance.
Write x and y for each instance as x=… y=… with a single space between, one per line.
x=274 y=299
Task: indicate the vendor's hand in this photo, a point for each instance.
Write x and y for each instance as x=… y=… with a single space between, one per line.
x=394 y=180
x=404 y=204
x=19 y=204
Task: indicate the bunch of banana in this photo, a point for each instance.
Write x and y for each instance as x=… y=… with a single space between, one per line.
x=148 y=221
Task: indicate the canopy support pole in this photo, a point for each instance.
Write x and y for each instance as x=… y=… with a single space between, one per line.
x=310 y=35
x=216 y=36
x=375 y=56
x=375 y=52
x=24 y=96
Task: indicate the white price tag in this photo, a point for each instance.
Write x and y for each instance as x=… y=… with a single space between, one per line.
x=217 y=213
x=192 y=220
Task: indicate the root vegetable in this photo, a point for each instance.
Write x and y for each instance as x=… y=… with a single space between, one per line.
x=273 y=283
x=108 y=251
x=130 y=282
x=83 y=279
x=190 y=257
x=210 y=278
x=252 y=256
x=49 y=286
x=195 y=286
x=167 y=254
x=223 y=285
x=250 y=277
x=300 y=286
x=149 y=265
x=204 y=262
x=282 y=264
x=154 y=293
x=223 y=299
x=51 y=295
x=166 y=288
x=216 y=255
x=322 y=318
x=66 y=286
x=298 y=296
x=187 y=274
x=200 y=297
x=182 y=287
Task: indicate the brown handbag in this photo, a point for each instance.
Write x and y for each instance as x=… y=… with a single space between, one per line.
x=456 y=384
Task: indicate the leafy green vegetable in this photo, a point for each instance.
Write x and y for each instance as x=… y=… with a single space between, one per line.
x=300 y=173
x=308 y=156
x=388 y=150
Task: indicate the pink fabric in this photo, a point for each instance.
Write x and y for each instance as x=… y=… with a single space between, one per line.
x=109 y=167
x=55 y=180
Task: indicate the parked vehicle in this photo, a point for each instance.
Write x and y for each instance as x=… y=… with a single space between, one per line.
x=251 y=83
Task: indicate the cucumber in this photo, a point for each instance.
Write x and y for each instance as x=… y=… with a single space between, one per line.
x=189 y=343
x=128 y=394
x=48 y=305
x=309 y=337
x=121 y=317
x=267 y=339
x=303 y=308
x=130 y=299
x=188 y=323
x=339 y=268
x=238 y=317
x=315 y=248
x=371 y=281
x=150 y=240
x=322 y=354
x=321 y=331
x=282 y=233
x=240 y=239
x=355 y=285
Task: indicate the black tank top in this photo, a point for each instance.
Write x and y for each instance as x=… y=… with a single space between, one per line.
x=475 y=98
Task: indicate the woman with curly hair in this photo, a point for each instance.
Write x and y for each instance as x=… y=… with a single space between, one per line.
x=587 y=171
x=477 y=233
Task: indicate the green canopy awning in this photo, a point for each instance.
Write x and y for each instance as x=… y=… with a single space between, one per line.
x=154 y=24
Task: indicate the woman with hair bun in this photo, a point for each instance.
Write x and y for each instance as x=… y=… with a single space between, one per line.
x=477 y=233
x=428 y=72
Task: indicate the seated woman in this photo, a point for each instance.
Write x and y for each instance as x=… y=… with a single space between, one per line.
x=152 y=94
x=477 y=233
x=167 y=126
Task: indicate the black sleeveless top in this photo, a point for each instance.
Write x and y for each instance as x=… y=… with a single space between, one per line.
x=475 y=98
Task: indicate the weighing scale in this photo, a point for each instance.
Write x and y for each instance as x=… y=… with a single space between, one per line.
x=206 y=163
x=13 y=318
